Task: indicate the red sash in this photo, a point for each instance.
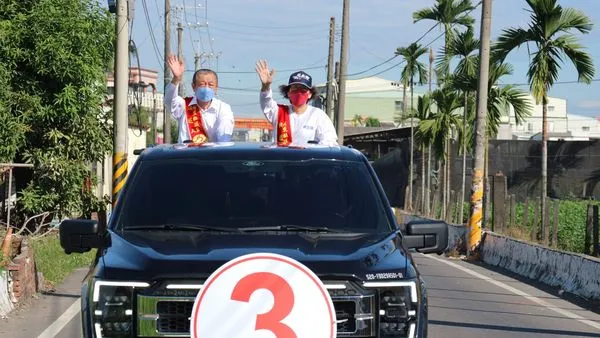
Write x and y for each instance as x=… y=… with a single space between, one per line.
x=195 y=124
x=284 y=131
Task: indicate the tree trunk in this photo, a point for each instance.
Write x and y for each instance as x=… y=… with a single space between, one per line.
x=404 y=104
x=464 y=164
x=544 y=168
x=442 y=185
x=428 y=205
x=448 y=170
x=422 y=179
x=412 y=136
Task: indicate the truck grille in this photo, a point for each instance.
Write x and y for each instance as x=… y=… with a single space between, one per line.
x=173 y=317
x=160 y=315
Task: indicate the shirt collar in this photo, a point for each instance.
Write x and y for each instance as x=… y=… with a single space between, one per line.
x=212 y=107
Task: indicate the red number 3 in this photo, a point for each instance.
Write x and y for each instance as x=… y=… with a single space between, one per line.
x=283 y=301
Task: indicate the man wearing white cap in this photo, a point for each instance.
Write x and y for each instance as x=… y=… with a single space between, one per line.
x=299 y=123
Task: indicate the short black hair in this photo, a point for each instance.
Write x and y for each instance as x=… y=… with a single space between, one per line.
x=285 y=89
x=204 y=71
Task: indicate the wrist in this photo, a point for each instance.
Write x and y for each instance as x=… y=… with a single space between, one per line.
x=176 y=80
x=265 y=87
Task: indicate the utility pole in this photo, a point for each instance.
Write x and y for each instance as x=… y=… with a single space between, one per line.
x=330 y=71
x=196 y=61
x=336 y=106
x=154 y=124
x=474 y=234
x=180 y=56
x=167 y=71
x=343 y=69
x=120 y=103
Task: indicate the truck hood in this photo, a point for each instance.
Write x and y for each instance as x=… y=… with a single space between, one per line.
x=159 y=255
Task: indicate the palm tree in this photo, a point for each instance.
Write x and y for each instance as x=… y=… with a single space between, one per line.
x=422 y=113
x=447 y=13
x=413 y=67
x=439 y=126
x=550 y=32
x=464 y=45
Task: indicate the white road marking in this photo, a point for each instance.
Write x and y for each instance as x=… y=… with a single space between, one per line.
x=520 y=293
x=55 y=328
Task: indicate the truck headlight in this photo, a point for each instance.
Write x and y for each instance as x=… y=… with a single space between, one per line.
x=398 y=304
x=113 y=305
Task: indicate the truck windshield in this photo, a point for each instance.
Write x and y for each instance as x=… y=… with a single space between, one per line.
x=338 y=195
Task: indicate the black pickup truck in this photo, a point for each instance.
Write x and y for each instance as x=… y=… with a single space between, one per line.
x=187 y=210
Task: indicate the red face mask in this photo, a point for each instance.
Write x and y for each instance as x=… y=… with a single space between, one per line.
x=299 y=98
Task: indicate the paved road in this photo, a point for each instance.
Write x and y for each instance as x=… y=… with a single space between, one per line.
x=465 y=300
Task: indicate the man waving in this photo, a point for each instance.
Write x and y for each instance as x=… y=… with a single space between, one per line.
x=202 y=117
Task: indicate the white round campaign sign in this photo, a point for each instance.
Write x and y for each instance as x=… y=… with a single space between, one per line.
x=263 y=295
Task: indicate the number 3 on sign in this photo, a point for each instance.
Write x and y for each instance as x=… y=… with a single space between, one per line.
x=263 y=296
x=283 y=297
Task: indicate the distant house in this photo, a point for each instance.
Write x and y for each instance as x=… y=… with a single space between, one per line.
x=561 y=124
x=372 y=97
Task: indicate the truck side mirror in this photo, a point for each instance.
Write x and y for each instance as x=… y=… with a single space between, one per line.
x=82 y=235
x=426 y=236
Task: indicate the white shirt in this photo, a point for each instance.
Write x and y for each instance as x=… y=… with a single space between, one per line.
x=217 y=119
x=312 y=125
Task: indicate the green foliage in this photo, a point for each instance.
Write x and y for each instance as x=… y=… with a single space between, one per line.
x=52 y=261
x=572 y=216
x=550 y=33
x=54 y=57
x=372 y=122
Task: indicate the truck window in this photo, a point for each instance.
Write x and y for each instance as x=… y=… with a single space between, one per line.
x=318 y=193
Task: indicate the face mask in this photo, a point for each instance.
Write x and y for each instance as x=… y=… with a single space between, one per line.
x=204 y=94
x=299 y=99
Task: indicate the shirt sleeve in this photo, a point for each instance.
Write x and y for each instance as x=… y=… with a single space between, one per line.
x=326 y=133
x=269 y=106
x=226 y=123
x=174 y=102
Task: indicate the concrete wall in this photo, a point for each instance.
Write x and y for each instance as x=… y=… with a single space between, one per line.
x=574 y=273
x=6 y=305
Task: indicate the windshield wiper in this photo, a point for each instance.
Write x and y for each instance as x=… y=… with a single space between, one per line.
x=180 y=227
x=289 y=227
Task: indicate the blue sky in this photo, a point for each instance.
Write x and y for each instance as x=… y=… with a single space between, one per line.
x=294 y=35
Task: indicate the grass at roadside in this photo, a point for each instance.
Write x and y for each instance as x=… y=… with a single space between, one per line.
x=52 y=261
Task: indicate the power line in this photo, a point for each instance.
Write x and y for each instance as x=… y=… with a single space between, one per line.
x=558 y=82
x=158 y=11
x=189 y=29
x=393 y=57
x=269 y=27
x=287 y=34
x=282 y=41
x=399 y=63
x=152 y=37
x=279 y=70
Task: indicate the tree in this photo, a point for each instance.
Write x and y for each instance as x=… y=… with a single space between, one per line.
x=439 y=126
x=422 y=113
x=550 y=33
x=447 y=13
x=54 y=54
x=464 y=45
x=413 y=67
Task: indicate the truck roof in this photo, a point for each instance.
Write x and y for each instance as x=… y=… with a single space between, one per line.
x=249 y=150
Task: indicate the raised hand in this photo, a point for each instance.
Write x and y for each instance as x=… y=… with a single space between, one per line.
x=265 y=75
x=177 y=67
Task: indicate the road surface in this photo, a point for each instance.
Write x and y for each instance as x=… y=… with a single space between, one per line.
x=465 y=300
